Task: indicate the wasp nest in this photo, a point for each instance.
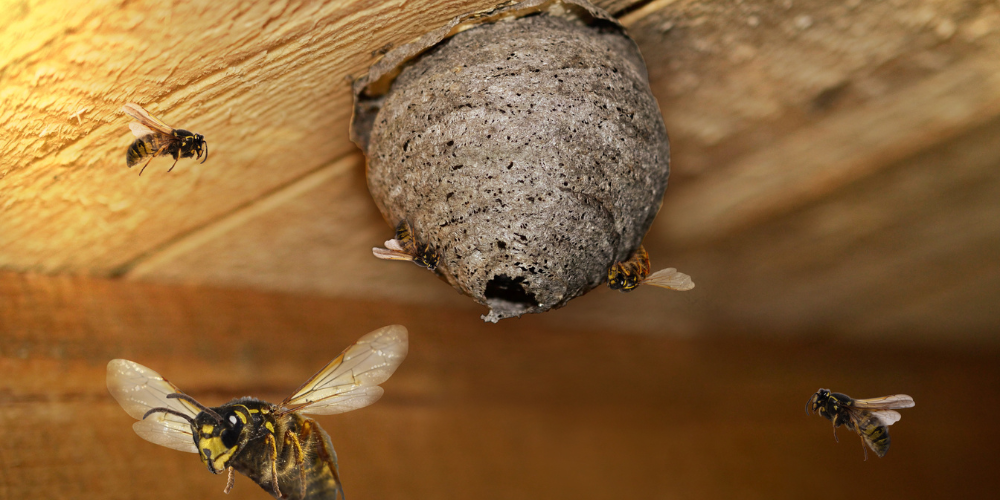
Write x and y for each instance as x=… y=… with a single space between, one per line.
x=522 y=144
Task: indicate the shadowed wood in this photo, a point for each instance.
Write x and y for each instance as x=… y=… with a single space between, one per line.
x=907 y=254
x=476 y=410
x=824 y=158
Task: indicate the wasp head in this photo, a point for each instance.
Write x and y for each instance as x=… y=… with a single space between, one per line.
x=622 y=277
x=191 y=144
x=426 y=257
x=829 y=405
x=818 y=400
x=220 y=435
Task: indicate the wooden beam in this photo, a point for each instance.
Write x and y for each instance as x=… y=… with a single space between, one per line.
x=267 y=83
x=906 y=255
x=476 y=410
x=822 y=158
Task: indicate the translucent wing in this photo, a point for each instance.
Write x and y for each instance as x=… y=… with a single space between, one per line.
x=384 y=254
x=886 y=403
x=139 y=130
x=669 y=278
x=165 y=430
x=887 y=417
x=138 y=390
x=136 y=111
x=392 y=251
x=394 y=244
x=351 y=381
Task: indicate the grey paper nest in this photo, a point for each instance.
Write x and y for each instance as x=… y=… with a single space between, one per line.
x=523 y=144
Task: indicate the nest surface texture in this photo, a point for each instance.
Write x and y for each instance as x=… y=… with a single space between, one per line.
x=529 y=152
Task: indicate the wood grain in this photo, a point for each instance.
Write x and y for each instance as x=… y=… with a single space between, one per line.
x=476 y=411
x=798 y=201
x=267 y=83
x=907 y=253
x=823 y=158
x=320 y=232
x=735 y=77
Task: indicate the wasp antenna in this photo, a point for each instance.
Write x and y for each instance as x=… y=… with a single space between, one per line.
x=189 y=399
x=206 y=152
x=170 y=411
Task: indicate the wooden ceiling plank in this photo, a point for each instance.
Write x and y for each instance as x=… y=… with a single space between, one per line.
x=164 y=255
x=824 y=157
x=267 y=84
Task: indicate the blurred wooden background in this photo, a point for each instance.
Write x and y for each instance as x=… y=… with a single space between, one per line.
x=834 y=194
x=478 y=411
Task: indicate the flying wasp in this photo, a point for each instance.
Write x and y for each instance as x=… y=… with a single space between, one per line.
x=285 y=453
x=406 y=247
x=869 y=418
x=155 y=138
x=626 y=276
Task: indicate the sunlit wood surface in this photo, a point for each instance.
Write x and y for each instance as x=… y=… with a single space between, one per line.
x=515 y=410
x=834 y=163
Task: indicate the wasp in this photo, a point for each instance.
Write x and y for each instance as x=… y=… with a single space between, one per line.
x=285 y=453
x=155 y=138
x=406 y=247
x=626 y=276
x=869 y=418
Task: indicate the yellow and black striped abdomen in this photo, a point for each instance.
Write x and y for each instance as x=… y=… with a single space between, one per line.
x=875 y=434
x=306 y=464
x=322 y=476
x=143 y=148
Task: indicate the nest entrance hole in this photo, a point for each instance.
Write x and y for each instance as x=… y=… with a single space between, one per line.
x=507 y=289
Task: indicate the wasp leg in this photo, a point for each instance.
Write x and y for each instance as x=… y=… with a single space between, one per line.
x=835 y=430
x=230 y=482
x=206 y=153
x=154 y=155
x=300 y=459
x=141 y=170
x=174 y=165
x=274 y=463
x=861 y=437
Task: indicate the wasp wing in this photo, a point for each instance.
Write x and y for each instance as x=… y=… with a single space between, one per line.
x=139 y=130
x=392 y=252
x=162 y=430
x=394 y=244
x=351 y=381
x=136 y=111
x=885 y=403
x=887 y=417
x=669 y=278
x=139 y=389
x=342 y=402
